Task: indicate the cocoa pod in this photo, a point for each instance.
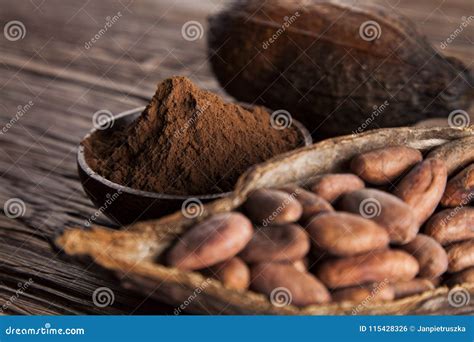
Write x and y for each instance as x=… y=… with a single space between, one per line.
x=412 y=287
x=233 y=273
x=465 y=276
x=377 y=52
x=214 y=240
x=460 y=256
x=332 y=186
x=430 y=255
x=278 y=243
x=460 y=189
x=285 y=285
x=345 y=234
x=312 y=203
x=451 y=225
x=272 y=207
x=373 y=267
x=373 y=293
x=455 y=154
x=382 y=166
x=385 y=209
x=423 y=187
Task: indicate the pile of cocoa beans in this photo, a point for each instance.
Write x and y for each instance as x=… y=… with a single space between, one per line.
x=393 y=227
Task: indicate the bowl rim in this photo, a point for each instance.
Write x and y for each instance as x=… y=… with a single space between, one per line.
x=81 y=160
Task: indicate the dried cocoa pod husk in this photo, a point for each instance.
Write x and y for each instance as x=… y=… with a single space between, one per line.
x=455 y=154
x=136 y=252
x=356 y=58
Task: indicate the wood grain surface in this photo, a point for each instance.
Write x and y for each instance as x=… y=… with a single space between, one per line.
x=56 y=84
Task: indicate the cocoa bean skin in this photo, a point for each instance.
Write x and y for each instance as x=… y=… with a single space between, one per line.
x=423 y=187
x=373 y=267
x=272 y=207
x=384 y=165
x=430 y=255
x=386 y=210
x=214 y=240
x=451 y=225
x=312 y=203
x=304 y=288
x=412 y=287
x=460 y=189
x=460 y=256
x=331 y=186
x=464 y=276
x=232 y=273
x=344 y=234
x=276 y=243
x=375 y=293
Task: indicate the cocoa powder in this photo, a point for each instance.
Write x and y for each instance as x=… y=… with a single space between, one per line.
x=187 y=141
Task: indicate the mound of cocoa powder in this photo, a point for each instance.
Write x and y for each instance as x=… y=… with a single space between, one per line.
x=187 y=141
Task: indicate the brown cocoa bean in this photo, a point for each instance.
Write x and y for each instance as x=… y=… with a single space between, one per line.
x=385 y=209
x=451 y=225
x=301 y=265
x=272 y=207
x=412 y=287
x=465 y=276
x=374 y=293
x=423 y=187
x=284 y=284
x=373 y=267
x=430 y=255
x=455 y=154
x=232 y=273
x=312 y=203
x=276 y=243
x=214 y=240
x=460 y=189
x=460 y=256
x=345 y=234
x=383 y=165
x=332 y=186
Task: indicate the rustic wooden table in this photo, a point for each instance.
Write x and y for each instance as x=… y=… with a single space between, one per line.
x=55 y=77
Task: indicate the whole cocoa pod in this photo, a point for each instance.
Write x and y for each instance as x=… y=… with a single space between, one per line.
x=390 y=265
x=321 y=59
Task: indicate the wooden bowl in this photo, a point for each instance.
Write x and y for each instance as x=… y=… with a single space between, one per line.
x=126 y=205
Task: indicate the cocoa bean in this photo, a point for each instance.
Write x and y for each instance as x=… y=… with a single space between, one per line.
x=464 y=276
x=373 y=293
x=451 y=225
x=232 y=273
x=460 y=256
x=412 y=287
x=455 y=154
x=460 y=189
x=312 y=203
x=331 y=186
